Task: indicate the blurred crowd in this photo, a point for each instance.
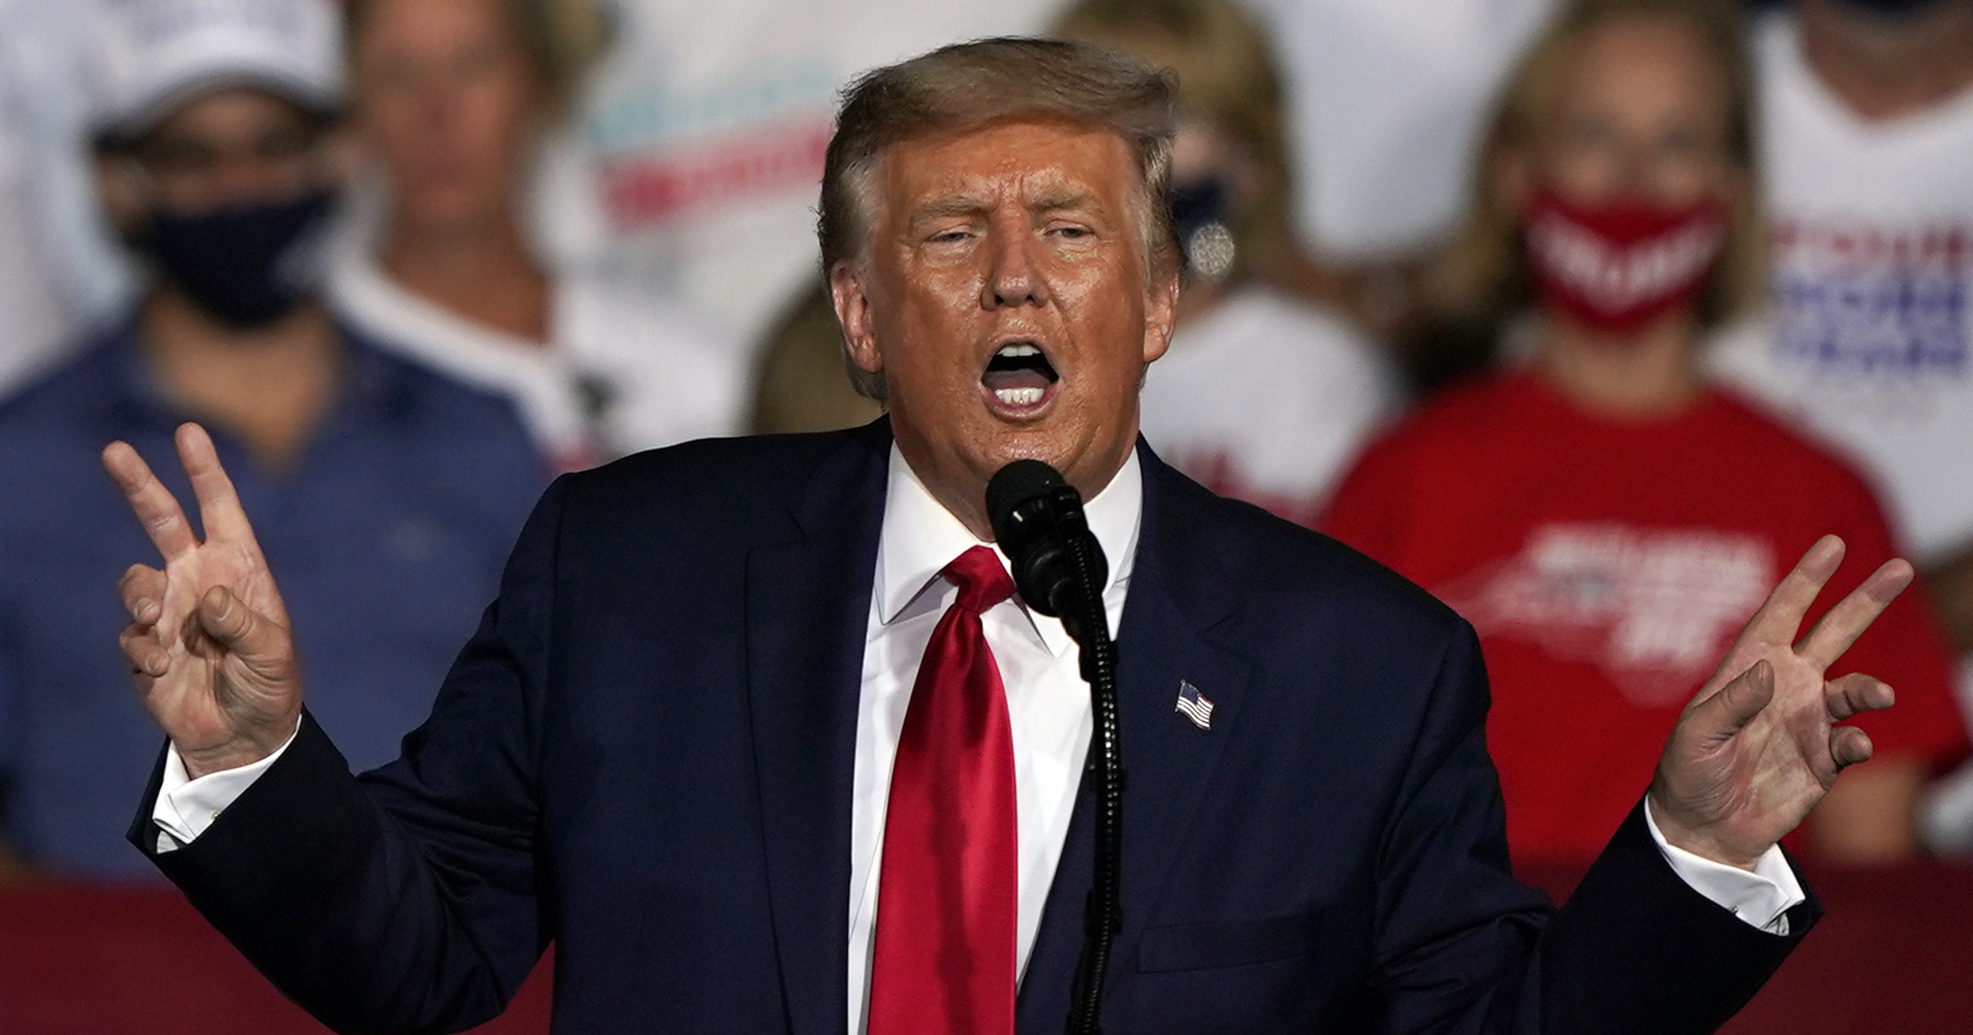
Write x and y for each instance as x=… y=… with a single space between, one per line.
x=1589 y=316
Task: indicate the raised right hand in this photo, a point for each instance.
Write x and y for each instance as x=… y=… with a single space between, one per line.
x=208 y=643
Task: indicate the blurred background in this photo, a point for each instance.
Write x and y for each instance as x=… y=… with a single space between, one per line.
x=1587 y=316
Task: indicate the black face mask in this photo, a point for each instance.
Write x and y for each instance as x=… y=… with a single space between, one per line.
x=1197 y=203
x=245 y=266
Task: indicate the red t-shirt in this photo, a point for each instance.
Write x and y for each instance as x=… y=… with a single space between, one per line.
x=1607 y=565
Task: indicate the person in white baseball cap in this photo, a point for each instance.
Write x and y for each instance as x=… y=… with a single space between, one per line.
x=156 y=55
x=217 y=154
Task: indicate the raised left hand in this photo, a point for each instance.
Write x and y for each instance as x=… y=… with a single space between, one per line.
x=1759 y=745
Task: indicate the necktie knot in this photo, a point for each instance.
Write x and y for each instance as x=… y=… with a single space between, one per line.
x=981 y=579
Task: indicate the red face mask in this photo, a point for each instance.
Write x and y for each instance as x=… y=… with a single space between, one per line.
x=1616 y=267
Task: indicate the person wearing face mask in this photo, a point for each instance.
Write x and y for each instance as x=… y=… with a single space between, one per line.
x=1262 y=397
x=1571 y=504
x=392 y=490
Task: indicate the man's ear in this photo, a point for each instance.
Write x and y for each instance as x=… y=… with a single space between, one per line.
x=853 y=314
x=1160 y=316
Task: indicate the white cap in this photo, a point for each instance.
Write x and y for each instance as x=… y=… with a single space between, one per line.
x=154 y=56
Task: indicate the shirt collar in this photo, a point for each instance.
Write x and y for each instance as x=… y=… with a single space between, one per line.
x=920 y=537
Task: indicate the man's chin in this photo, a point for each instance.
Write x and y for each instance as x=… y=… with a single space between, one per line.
x=1078 y=466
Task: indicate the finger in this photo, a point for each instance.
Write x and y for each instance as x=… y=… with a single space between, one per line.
x=1839 y=629
x=1855 y=694
x=141 y=648
x=142 y=590
x=156 y=508
x=236 y=626
x=1849 y=745
x=1735 y=705
x=1780 y=616
x=219 y=505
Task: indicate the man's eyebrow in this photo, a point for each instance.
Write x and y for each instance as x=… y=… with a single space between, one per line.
x=1055 y=199
x=949 y=205
x=1060 y=198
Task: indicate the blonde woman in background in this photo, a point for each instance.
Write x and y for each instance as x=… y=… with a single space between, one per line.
x=1569 y=506
x=456 y=100
x=1262 y=396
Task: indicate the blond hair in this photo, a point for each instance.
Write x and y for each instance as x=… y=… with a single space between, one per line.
x=561 y=39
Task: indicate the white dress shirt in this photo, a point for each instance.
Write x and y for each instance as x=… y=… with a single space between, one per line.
x=1048 y=709
x=1048 y=705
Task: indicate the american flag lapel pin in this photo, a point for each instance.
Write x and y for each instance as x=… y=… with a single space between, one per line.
x=1194 y=705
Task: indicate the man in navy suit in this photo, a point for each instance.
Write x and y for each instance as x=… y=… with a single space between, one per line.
x=668 y=747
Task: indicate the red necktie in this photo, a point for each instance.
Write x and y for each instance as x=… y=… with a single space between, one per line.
x=945 y=904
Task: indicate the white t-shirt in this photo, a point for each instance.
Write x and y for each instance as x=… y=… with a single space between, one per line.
x=706 y=129
x=1263 y=398
x=36 y=324
x=1871 y=339
x=621 y=371
x=1386 y=104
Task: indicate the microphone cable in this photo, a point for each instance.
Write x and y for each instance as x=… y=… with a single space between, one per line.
x=1060 y=570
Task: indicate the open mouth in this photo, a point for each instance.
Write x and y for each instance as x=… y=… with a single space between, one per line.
x=1019 y=376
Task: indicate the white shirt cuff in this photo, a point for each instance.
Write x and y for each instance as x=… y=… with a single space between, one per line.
x=186 y=807
x=1762 y=897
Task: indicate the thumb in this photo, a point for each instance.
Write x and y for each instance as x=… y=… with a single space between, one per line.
x=1727 y=712
x=228 y=620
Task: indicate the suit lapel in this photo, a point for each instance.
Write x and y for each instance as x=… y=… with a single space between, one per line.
x=1175 y=601
x=808 y=602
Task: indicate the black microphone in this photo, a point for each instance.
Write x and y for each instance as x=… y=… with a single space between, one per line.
x=1036 y=516
x=1060 y=571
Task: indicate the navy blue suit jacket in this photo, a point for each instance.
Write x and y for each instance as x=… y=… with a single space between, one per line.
x=645 y=755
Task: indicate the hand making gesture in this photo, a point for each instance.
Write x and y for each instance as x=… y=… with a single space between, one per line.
x=1759 y=745
x=208 y=642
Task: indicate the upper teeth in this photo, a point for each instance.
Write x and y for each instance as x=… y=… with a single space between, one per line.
x=1014 y=349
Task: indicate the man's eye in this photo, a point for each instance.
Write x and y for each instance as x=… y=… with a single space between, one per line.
x=282 y=145
x=1073 y=232
x=950 y=236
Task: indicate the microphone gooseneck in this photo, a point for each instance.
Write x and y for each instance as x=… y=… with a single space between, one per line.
x=1059 y=570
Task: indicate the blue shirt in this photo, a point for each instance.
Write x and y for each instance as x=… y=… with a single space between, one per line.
x=385 y=536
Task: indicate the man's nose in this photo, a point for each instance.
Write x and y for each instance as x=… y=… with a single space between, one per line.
x=239 y=177
x=1012 y=277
